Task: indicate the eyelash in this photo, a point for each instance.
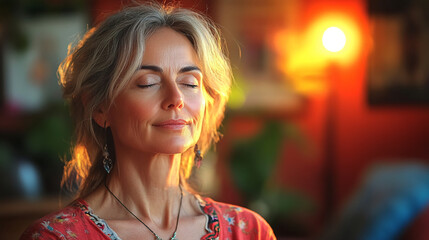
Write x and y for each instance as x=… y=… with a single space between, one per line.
x=146 y=86
x=191 y=85
x=151 y=85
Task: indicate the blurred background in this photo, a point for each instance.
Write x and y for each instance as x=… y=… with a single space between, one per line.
x=326 y=133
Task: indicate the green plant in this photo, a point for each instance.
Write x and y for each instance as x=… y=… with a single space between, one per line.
x=254 y=162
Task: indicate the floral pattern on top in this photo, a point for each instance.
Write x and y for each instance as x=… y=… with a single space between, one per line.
x=78 y=221
x=101 y=224
x=213 y=226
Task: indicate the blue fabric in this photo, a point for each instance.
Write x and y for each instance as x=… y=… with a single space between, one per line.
x=389 y=199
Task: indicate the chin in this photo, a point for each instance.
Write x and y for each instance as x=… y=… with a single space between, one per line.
x=175 y=148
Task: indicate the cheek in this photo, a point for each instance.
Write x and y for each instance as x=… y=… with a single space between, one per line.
x=198 y=110
x=130 y=110
x=197 y=106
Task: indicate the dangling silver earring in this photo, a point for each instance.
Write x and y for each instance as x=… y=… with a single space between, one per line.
x=107 y=161
x=198 y=158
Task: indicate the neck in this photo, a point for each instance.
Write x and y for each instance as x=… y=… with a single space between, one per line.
x=151 y=172
x=148 y=185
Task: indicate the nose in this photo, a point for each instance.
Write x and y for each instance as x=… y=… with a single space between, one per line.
x=173 y=98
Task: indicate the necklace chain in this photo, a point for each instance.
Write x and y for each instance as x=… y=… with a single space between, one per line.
x=173 y=237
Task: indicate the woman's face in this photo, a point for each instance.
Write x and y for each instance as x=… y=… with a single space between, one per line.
x=162 y=109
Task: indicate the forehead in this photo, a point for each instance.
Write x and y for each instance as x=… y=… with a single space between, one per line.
x=166 y=46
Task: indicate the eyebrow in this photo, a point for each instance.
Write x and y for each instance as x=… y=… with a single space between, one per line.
x=189 y=69
x=158 y=69
x=151 y=67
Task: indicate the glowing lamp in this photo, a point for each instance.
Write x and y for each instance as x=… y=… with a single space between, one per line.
x=334 y=39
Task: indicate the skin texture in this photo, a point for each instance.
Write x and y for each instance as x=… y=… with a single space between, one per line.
x=155 y=119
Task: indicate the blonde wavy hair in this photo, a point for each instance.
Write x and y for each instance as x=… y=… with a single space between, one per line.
x=98 y=68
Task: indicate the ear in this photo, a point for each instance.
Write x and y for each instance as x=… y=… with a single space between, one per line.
x=100 y=117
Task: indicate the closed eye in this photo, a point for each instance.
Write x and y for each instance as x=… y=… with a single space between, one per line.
x=146 y=85
x=191 y=85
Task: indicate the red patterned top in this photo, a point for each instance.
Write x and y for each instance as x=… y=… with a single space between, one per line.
x=78 y=221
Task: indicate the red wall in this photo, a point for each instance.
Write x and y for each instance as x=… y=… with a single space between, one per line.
x=363 y=134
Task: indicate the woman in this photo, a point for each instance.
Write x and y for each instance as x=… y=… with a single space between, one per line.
x=147 y=89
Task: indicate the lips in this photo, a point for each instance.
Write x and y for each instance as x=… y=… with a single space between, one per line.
x=172 y=124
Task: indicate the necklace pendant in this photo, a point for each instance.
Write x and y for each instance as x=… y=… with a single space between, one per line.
x=174 y=237
x=158 y=238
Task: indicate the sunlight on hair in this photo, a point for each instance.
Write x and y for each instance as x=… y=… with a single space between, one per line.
x=81 y=159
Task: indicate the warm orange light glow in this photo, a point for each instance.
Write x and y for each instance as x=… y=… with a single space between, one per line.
x=350 y=50
x=302 y=56
x=334 y=39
